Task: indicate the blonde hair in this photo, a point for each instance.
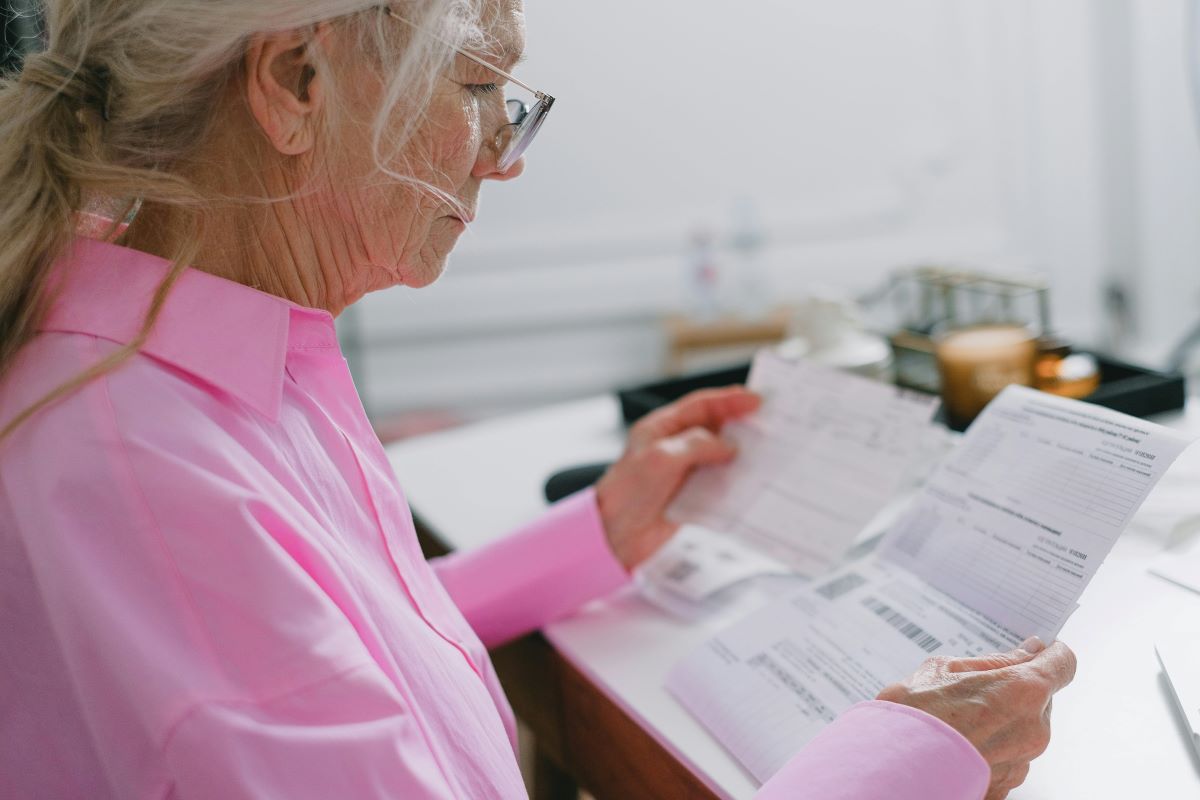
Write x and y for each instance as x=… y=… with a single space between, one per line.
x=120 y=97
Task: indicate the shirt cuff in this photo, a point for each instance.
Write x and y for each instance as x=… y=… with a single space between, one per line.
x=881 y=749
x=535 y=575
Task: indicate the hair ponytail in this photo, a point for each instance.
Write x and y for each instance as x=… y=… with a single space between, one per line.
x=41 y=140
x=51 y=158
x=116 y=106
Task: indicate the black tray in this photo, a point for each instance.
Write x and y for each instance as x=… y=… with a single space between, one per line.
x=638 y=401
x=1136 y=390
x=1124 y=387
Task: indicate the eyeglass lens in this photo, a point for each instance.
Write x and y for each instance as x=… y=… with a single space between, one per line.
x=517 y=110
x=527 y=121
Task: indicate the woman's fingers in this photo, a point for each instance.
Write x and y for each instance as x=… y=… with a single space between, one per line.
x=1000 y=703
x=633 y=495
x=695 y=447
x=707 y=408
x=1017 y=775
x=1022 y=739
x=1023 y=654
x=1023 y=696
x=1056 y=664
x=1005 y=778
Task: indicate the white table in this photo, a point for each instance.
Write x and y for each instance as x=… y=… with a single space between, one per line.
x=1116 y=732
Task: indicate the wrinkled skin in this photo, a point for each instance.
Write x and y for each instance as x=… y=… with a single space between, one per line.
x=663 y=449
x=337 y=228
x=1000 y=703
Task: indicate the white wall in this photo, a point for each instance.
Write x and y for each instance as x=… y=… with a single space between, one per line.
x=869 y=134
x=1165 y=271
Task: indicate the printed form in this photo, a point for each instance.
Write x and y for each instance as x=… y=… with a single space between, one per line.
x=1015 y=522
x=998 y=547
x=825 y=452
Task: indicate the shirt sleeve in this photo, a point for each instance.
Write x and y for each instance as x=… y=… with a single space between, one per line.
x=540 y=573
x=879 y=749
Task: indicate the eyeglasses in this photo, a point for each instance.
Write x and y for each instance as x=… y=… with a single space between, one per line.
x=524 y=120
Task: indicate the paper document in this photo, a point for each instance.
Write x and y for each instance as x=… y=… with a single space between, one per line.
x=769 y=684
x=696 y=563
x=824 y=453
x=1015 y=522
x=997 y=547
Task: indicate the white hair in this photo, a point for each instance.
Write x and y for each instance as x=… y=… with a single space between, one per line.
x=125 y=91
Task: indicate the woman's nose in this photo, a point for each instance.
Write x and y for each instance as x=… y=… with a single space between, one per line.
x=486 y=166
x=514 y=171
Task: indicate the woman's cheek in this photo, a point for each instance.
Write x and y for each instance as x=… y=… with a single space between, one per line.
x=457 y=143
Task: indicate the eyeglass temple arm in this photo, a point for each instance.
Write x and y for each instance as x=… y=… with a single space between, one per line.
x=474 y=58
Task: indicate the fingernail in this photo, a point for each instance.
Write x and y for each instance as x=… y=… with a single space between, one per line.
x=1033 y=645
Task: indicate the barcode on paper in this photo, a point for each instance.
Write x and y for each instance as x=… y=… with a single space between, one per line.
x=910 y=629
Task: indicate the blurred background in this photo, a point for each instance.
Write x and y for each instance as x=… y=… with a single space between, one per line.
x=708 y=168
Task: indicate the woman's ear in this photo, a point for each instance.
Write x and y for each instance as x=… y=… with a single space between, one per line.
x=286 y=86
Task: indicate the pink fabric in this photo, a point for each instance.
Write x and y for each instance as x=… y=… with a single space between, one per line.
x=210 y=585
x=883 y=750
x=569 y=535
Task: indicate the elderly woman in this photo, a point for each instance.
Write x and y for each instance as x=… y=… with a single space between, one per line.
x=211 y=584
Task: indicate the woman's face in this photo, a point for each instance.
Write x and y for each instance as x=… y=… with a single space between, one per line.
x=393 y=233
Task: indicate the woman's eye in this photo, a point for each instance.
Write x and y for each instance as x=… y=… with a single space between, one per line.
x=481 y=89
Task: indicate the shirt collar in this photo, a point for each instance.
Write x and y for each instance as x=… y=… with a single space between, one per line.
x=228 y=335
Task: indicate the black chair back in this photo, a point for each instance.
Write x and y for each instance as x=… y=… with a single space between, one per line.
x=21 y=25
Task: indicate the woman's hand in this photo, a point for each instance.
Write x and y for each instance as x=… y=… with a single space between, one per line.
x=663 y=448
x=1000 y=703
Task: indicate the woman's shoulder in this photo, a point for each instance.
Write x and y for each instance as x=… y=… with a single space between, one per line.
x=142 y=453
x=135 y=493
x=143 y=406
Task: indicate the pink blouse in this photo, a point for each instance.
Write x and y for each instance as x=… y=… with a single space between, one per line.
x=210 y=585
